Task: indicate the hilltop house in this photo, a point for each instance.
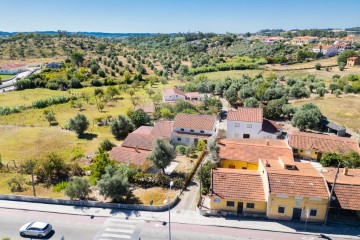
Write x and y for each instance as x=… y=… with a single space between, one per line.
x=353 y=61
x=189 y=129
x=300 y=41
x=137 y=145
x=249 y=123
x=12 y=68
x=245 y=153
x=174 y=94
x=312 y=146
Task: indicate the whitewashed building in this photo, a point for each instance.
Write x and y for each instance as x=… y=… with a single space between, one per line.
x=189 y=129
x=249 y=123
x=12 y=68
x=174 y=94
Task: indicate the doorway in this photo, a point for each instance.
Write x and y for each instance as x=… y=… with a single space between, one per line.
x=296 y=214
x=246 y=135
x=240 y=207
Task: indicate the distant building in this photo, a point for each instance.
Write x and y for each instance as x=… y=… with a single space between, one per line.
x=343 y=46
x=174 y=94
x=305 y=40
x=326 y=50
x=54 y=65
x=353 y=61
x=249 y=123
x=189 y=129
x=149 y=110
x=12 y=68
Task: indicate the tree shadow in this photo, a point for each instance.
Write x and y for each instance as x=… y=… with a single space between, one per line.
x=88 y=136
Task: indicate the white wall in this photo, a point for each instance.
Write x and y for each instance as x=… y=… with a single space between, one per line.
x=235 y=131
x=173 y=97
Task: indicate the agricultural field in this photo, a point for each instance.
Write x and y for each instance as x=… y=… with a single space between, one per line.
x=343 y=110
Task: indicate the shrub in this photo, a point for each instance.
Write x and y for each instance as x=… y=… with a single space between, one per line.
x=348 y=89
x=180 y=149
x=106 y=145
x=113 y=184
x=43 y=103
x=10 y=110
x=16 y=184
x=318 y=66
x=79 y=124
x=201 y=145
x=341 y=66
x=60 y=186
x=330 y=160
x=337 y=92
x=79 y=188
x=96 y=83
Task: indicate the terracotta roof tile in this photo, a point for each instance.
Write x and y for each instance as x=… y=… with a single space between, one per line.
x=251 y=149
x=303 y=180
x=147 y=109
x=270 y=127
x=11 y=65
x=352 y=177
x=129 y=155
x=246 y=115
x=238 y=184
x=163 y=128
x=195 y=121
x=173 y=91
x=352 y=58
x=144 y=130
x=347 y=196
x=140 y=141
x=322 y=143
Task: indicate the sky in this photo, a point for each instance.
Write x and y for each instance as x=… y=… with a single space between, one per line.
x=170 y=16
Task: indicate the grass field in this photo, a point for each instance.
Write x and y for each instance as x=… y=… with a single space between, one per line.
x=344 y=110
x=4 y=77
x=27 y=135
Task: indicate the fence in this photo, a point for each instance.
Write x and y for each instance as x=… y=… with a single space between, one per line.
x=191 y=174
x=85 y=203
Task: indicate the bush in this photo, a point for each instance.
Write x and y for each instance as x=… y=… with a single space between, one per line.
x=180 y=149
x=52 y=168
x=318 y=66
x=190 y=151
x=16 y=184
x=96 y=83
x=337 y=92
x=348 y=89
x=60 y=186
x=79 y=124
x=201 y=145
x=341 y=66
x=330 y=160
x=10 y=110
x=79 y=188
x=106 y=145
x=43 y=103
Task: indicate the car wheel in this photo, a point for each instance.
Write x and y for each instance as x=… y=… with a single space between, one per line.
x=40 y=236
x=22 y=234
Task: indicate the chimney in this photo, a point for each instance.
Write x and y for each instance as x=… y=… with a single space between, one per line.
x=267 y=163
x=345 y=172
x=267 y=142
x=136 y=148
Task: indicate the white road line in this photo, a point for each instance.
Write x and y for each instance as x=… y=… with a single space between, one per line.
x=118 y=230
x=115 y=235
x=122 y=220
x=121 y=225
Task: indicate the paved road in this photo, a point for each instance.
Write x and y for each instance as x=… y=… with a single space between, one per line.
x=71 y=226
x=9 y=85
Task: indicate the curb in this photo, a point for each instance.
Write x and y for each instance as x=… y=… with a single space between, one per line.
x=178 y=222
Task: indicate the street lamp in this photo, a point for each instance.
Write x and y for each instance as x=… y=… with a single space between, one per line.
x=168 y=200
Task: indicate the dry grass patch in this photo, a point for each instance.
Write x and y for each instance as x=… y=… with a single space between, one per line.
x=344 y=110
x=157 y=194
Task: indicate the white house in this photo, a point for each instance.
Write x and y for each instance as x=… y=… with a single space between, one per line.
x=329 y=50
x=12 y=68
x=174 y=94
x=249 y=123
x=189 y=129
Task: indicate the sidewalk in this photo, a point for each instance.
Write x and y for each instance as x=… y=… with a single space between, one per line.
x=191 y=217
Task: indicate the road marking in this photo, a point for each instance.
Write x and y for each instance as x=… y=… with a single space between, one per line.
x=121 y=225
x=116 y=235
x=118 y=230
x=123 y=220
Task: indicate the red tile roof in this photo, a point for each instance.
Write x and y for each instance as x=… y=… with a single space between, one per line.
x=140 y=141
x=173 y=91
x=352 y=58
x=303 y=180
x=129 y=155
x=246 y=115
x=144 y=130
x=193 y=94
x=322 y=143
x=251 y=149
x=163 y=128
x=191 y=135
x=195 y=121
x=11 y=65
x=347 y=188
x=238 y=184
x=271 y=127
x=147 y=109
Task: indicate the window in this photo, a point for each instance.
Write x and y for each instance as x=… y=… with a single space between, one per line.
x=182 y=129
x=313 y=212
x=230 y=204
x=237 y=124
x=249 y=125
x=250 y=205
x=281 y=209
x=179 y=139
x=295 y=150
x=191 y=130
x=202 y=131
x=231 y=166
x=244 y=168
x=246 y=136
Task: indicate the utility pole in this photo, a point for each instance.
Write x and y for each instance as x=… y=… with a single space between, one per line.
x=331 y=195
x=200 y=181
x=32 y=177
